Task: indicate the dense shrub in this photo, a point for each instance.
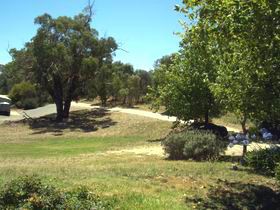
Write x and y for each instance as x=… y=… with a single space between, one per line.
x=30 y=193
x=203 y=146
x=23 y=95
x=196 y=145
x=174 y=145
x=28 y=103
x=264 y=160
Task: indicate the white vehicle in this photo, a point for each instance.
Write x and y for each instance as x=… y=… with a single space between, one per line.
x=5 y=105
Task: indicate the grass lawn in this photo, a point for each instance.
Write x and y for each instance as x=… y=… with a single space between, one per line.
x=76 y=153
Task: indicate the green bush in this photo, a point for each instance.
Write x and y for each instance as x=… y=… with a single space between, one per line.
x=27 y=103
x=196 y=145
x=174 y=144
x=23 y=95
x=264 y=160
x=29 y=192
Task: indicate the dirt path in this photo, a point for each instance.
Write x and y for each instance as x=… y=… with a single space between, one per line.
x=50 y=109
x=137 y=112
x=156 y=150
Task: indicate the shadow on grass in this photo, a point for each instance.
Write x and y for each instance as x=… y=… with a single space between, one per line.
x=85 y=121
x=230 y=159
x=234 y=196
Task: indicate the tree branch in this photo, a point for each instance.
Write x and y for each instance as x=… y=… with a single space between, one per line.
x=89 y=11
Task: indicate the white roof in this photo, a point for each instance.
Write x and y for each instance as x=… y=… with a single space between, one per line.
x=5 y=97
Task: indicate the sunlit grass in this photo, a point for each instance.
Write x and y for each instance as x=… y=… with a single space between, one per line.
x=230 y=120
x=129 y=181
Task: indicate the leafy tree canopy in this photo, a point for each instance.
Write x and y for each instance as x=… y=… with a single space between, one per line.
x=68 y=51
x=245 y=35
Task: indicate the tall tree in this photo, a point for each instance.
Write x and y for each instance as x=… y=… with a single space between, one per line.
x=246 y=36
x=66 y=49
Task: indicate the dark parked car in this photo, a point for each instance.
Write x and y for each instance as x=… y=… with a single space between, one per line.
x=5 y=105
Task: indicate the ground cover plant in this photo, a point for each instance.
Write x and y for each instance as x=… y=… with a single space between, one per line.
x=234 y=195
x=29 y=192
x=264 y=161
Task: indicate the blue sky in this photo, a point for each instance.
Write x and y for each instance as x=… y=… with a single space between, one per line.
x=144 y=28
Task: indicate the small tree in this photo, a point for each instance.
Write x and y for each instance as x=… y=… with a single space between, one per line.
x=144 y=83
x=18 y=70
x=24 y=95
x=183 y=85
x=133 y=84
x=119 y=80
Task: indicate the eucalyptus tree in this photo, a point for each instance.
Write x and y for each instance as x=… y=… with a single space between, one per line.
x=67 y=51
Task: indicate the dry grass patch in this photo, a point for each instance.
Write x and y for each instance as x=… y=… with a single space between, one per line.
x=93 y=123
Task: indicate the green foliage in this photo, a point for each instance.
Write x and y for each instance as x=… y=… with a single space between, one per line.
x=145 y=81
x=244 y=42
x=203 y=146
x=264 y=161
x=174 y=145
x=182 y=83
x=24 y=95
x=133 y=85
x=120 y=82
x=18 y=70
x=28 y=103
x=29 y=192
x=231 y=195
x=69 y=52
x=196 y=145
x=121 y=74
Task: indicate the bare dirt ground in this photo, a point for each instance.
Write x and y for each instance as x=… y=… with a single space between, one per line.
x=138 y=112
x=157 y=150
